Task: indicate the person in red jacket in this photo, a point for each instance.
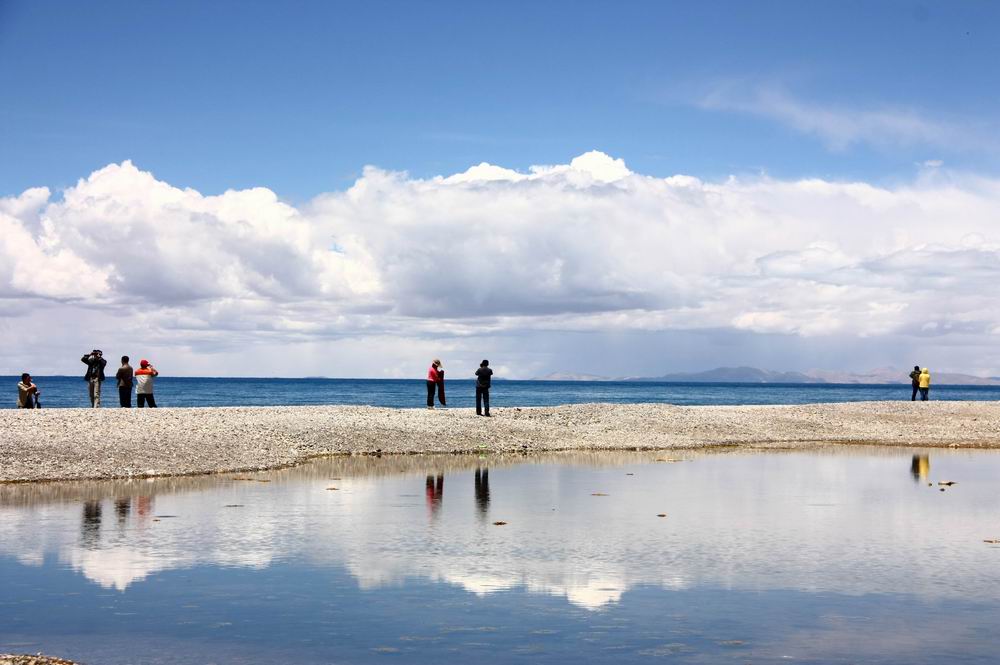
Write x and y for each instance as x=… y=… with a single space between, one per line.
x=435 y=383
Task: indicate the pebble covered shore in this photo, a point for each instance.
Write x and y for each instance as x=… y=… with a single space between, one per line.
x=65 y=444
x=29 y=659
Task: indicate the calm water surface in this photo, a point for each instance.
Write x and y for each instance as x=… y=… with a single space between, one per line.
x=839 y=555
x=71 y=391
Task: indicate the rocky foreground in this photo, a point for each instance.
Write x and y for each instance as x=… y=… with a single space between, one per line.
x=28 y=659
x=63 y=444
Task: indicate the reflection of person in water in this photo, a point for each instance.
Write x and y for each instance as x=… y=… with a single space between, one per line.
x=90 y=532
x=435 y=492
x=483 y=491
x=920 y=467
x=121 y=509
x=142 y=511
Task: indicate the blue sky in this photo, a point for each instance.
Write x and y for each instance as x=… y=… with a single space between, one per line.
x=299 y=96
x=666 y=186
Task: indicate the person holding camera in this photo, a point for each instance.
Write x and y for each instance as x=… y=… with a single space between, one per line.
x=27 y=393
x=484 y=377
x=94 y=377
x=144 y=384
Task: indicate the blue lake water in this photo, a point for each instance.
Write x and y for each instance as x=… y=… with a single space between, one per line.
x=835 y=555
x=66 y=391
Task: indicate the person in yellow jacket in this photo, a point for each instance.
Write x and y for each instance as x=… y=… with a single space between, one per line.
x=924 y=383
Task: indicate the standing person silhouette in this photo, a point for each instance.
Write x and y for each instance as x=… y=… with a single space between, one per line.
x=435 y=378
x=915 y=380
x=925 y=384
x=124 y=377
x=440 y=385
x=94 y=377
x=483 y=380
x=144 y=377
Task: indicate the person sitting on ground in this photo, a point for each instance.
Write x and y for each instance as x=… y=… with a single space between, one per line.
x=124 y=377
x=27 y=393
x=915 y=380
x=925 y=383
x=483 y=380
x=144 y=384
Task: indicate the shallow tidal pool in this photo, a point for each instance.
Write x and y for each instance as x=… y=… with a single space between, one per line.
x=842 y=554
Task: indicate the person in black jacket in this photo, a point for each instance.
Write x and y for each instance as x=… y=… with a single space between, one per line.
x=94 y=377
x=915 y=380
x=483 y=377
x=124 y=377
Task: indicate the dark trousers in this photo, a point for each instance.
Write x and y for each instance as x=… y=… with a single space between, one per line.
x=142 y=400
x=482 y=399
x=431 y=389
x=913 y=397
x=923 y=394
x=125 y=397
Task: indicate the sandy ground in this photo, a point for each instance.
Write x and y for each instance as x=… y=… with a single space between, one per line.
x=63 y=444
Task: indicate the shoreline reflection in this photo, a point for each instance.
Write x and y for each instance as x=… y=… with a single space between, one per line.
x=434 y=491
x=481 y=482
x=720 y=530
x=920 y=467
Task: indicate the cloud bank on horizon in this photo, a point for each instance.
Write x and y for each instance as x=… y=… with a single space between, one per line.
x=369 y=280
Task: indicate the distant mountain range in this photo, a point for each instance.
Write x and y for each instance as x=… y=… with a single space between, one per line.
x=756 y=375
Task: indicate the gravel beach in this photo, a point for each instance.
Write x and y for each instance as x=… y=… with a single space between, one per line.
x=67 y=444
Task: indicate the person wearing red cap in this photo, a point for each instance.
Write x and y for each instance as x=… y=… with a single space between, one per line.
x=144 y=384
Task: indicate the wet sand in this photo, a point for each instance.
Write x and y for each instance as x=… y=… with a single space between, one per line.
x=67 y=444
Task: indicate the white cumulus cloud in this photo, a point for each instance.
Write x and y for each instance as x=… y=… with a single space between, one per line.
x=588 y=246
